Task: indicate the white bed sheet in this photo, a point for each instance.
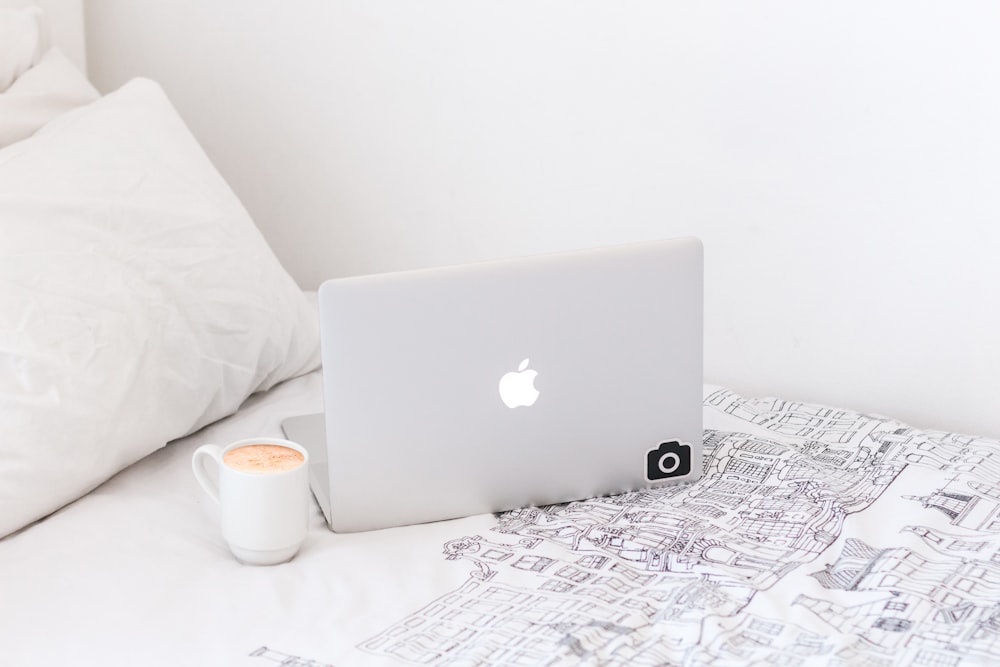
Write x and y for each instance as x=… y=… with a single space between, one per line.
x=136 y=572
x=818 y=536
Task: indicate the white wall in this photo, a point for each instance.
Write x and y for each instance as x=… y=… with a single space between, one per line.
x=841 y=161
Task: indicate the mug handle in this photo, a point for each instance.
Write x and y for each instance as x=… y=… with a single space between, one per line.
x=201 y=455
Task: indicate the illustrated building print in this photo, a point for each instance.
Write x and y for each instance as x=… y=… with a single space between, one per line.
x=816 y=423
x=965 y=510
x=631 y=579
x=949 y=608
x=971 y=499
x=756 y=640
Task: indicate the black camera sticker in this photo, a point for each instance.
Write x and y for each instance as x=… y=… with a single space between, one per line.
x=670 y=459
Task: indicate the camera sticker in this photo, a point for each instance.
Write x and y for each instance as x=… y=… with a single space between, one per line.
x=670 y=459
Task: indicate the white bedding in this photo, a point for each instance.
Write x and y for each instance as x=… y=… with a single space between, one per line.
x=138 y=301
x=818 y=536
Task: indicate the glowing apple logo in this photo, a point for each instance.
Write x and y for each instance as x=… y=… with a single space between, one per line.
x=517 y=388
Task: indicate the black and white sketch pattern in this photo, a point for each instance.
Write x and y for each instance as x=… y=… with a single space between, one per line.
x=683 y=575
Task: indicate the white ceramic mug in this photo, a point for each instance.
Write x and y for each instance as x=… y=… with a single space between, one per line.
x=265 y=515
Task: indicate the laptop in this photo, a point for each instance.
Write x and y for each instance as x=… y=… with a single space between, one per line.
x=462 y=390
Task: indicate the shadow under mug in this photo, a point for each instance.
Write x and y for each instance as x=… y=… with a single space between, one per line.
x=265 y=515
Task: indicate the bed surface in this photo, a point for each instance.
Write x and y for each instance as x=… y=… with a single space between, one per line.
x=817 y=536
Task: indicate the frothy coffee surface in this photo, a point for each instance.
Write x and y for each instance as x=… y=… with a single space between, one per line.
x=263 y=458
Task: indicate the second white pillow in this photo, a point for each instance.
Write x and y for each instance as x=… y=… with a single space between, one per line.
x=42 y=93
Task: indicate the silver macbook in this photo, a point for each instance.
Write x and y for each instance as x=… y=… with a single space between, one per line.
x=479 y=388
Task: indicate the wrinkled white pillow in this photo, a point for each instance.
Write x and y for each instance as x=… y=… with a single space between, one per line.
x=47 y=90
x=24 y=37
x=138 y=301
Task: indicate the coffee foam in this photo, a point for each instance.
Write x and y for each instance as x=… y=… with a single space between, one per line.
x=263 y=459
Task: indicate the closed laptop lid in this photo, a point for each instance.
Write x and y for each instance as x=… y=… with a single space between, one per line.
x=478 y=388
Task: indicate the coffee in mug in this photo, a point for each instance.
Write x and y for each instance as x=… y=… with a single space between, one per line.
x=263 y=459
x=263 y=493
